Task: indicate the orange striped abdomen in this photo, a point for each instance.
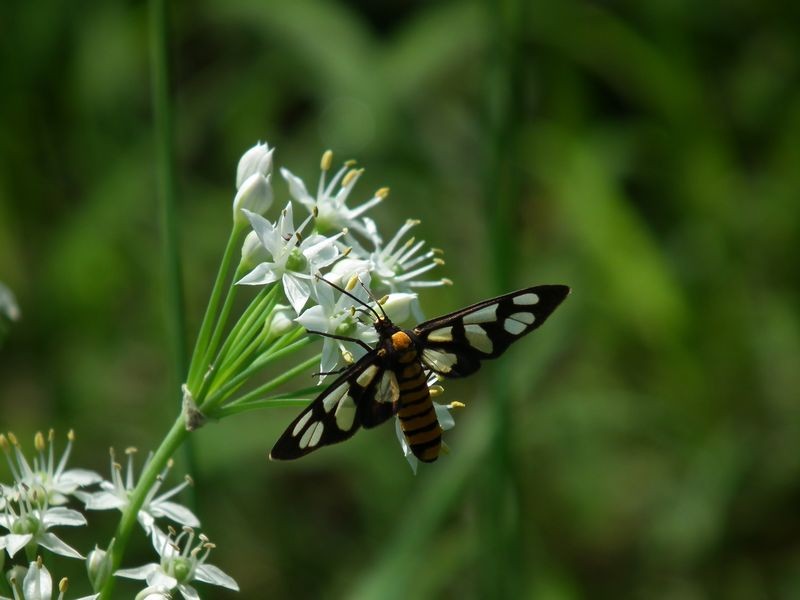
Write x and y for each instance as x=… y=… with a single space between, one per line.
x=417 y=416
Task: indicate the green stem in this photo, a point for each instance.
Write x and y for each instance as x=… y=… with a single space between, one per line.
x=278 y=381
x=203 y=347
x=227 y=411
x=176 y=435
x=162 y=108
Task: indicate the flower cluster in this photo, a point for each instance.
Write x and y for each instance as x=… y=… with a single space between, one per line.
x=35 y=503
x=334 y=267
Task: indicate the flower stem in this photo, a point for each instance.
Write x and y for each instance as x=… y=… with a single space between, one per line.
x=176 y=435
x=162 y=109
x=280 y=380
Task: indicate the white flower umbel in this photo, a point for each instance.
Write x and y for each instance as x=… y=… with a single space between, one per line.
x=294 y=257
x=180 y=564
x=28 y=520
x=330 y=203
x=115 y=494
x=52 y=481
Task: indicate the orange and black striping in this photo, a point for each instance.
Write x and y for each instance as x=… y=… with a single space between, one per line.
x=417 y=416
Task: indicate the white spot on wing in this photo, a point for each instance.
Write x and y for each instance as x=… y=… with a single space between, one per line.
x=388 y=389
x=513 y=327
x=523 y=317
x=444 y=334
x=345 y=413
x=301 y=423
x=307 y=435
x=487 y=314
x=478 y=339
x=526 y=299
x=439 y=361
x=365 y=377
x=331 y=399
x=319 y=427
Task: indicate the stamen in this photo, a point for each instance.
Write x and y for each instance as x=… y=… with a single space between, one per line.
x=382 y=193
x=435 y=390
x=456 y=404
x=327 y=159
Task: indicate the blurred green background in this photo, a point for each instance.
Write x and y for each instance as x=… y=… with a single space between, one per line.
x=647 y=154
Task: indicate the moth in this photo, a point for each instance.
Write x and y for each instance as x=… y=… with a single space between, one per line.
x=392 y=378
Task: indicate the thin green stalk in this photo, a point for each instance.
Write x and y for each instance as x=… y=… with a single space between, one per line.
x=501 y=535
x=162 y=107
x=174 y=438
x=227 y=411
x=231 y=386
x=278 y=381
x=203 y=348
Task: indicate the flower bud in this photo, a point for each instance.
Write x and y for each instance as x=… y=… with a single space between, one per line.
x=98 y=566
x=256 y=160
x=255 y=194
x=398 y=306
x=282 y=320
x=154 y=592
x=253 y=252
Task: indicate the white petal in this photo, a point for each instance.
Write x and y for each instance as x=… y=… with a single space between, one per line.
x=16 y=542
x=297 y=291
x=79 y=477
x=56 y=546
x=100 y=500
x=412 y=460
x=37 y=585
x=146 y=520
x=160 y=579
x=266 y=232
x=62 y=516
x=445 y=416
x=314 y=318
x=142 y=572
x=262 y=274
x=257 y=159
x=297 y=188
x=188 y=592
x=176 y=512
x=211 y=574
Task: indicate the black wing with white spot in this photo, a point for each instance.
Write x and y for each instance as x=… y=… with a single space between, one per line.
x=454 y=345
x=364 y=395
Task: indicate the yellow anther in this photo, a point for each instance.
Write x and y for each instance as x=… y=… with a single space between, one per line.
x=3 y=442
x=413 y=222
x=63 y=585
x=346 y=251
x=209 y=545
x=327 y=159
x=347 y=356
x=384 y=300
x=38 y=441
x=315 y=211
x=131 y=450
x=39 y=561
x=299 y=236
x=350 y=163
x=170 y=463
x=351 y=174
x=438 y=261
x=352 y=282
x=410 y=242
x=117 y=466
x=447 y=281
x=456 y=404
x=437 y=250
x=382 y=193
x=13 y=439
x=188 y=479
x=51 y=434
x=436 y=390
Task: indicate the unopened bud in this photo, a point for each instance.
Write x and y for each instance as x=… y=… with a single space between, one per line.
x=255 y=195
x=253 y=252
x=98 y=566
x=256 y=160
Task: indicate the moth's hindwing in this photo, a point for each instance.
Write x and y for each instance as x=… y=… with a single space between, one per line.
x=454 y=345
x=364 y=395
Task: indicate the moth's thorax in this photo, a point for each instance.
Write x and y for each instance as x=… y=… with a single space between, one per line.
x=403 y=347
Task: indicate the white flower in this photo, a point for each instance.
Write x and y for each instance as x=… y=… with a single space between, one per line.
x=253 y=251
x=339 y=316
x=294 y=257
x=257 y=160
x=37 y=584
x=28 y=524
x=395 y=267
x=255 y=194
x=180 y=565
x=51 y=482
x=329 y=205
x=116 y=494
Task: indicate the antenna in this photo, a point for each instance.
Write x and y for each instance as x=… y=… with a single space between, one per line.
x=378 y=302
x=346 y=293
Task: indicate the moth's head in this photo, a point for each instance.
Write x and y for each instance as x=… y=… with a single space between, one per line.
x=385 y=327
